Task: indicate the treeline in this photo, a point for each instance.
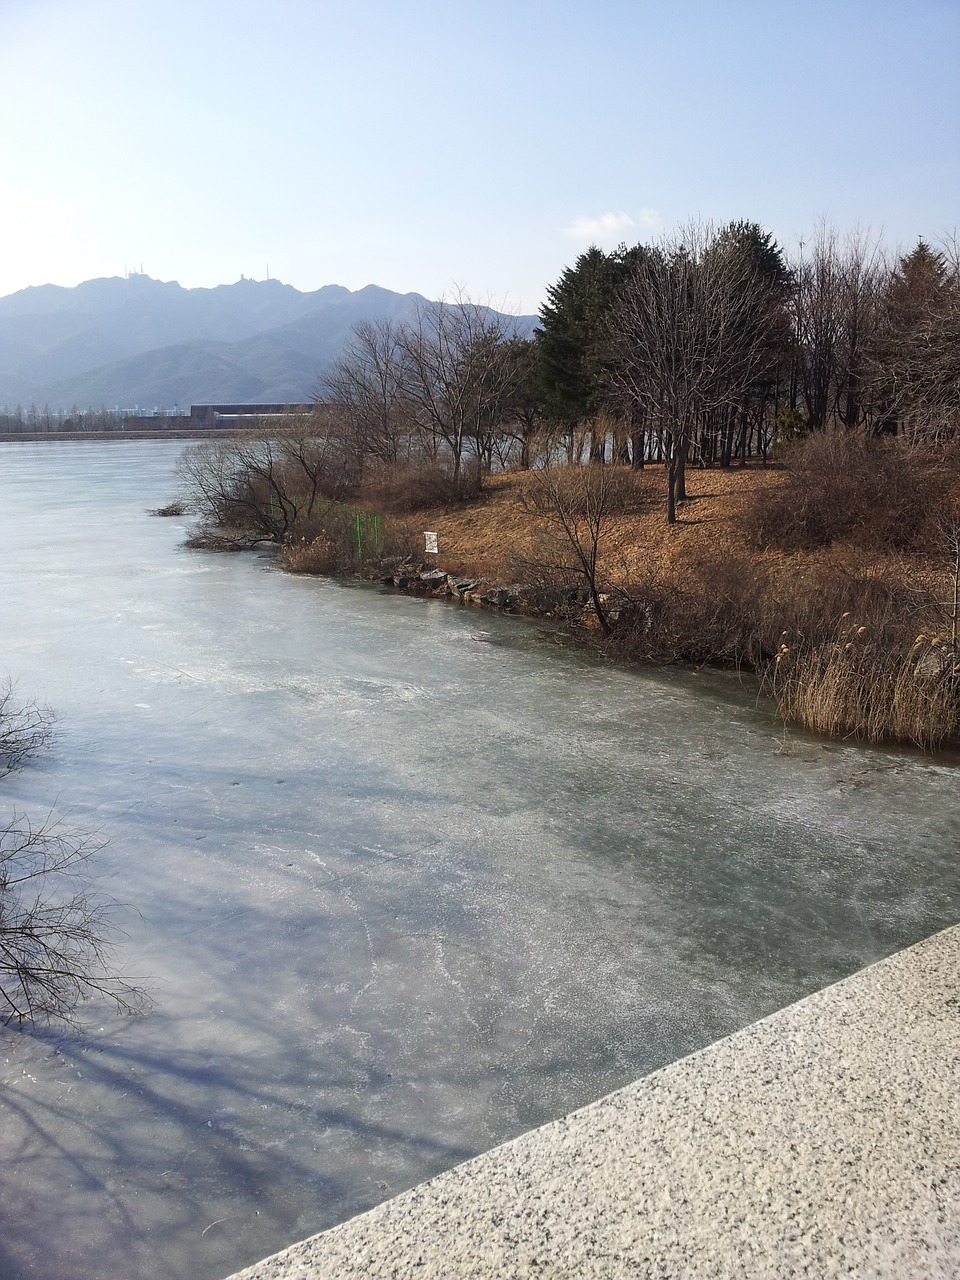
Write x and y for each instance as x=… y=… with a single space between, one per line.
x=837 y=580
x=703 y=349
x=19 y=420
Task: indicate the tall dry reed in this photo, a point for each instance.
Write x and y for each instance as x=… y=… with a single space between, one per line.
x=858 y=686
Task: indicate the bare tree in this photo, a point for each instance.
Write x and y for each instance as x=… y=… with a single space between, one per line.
x=365 y=390
x=55 y=931
x=692 y=335
x=837 y=310
x=440 y=385
x=269 y=483
x=579 y=506
x=863 y=277
x=457 y=376
x=522 y=416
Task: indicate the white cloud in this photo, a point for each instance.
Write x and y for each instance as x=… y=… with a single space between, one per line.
x=611 y=228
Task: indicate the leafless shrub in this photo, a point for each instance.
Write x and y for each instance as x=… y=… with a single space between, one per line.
x=55 y=931
x=402 y=540
x=205 y=539
x=329 y=542
x=268 y=484
x=576 y=538
x=706 y=606
x=850 y=489
x=25 y=728
x=419 y=485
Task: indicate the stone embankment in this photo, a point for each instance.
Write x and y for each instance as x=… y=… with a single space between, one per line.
x=417 y=578
x=821 y=1142
x=422 y=580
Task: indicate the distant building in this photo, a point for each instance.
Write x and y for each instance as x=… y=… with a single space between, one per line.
x=212 y=415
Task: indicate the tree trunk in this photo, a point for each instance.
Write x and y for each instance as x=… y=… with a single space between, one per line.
x=726 y=450
x=621 y=448
x=637 y=446
x=681 y=468
x=671 y=485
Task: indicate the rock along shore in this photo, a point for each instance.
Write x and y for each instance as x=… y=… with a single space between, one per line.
x=416 y=578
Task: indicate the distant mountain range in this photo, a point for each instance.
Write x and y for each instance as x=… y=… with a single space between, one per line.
x=137 y=342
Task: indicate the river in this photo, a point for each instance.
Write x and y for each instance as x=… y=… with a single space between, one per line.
x=404 y=879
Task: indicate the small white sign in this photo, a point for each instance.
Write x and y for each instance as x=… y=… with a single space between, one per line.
x=433 y=543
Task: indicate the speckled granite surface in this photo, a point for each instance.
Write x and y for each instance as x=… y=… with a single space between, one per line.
x=823 y=1141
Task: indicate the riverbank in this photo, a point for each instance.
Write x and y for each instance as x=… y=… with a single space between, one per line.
x=853 y=638
x=495 y=535
x=824 y=1140
x=835 y=576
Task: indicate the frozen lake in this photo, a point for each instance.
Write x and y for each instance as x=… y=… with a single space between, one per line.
x=406 y=879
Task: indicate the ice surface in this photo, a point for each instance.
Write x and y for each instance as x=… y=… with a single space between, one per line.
x=406 y=879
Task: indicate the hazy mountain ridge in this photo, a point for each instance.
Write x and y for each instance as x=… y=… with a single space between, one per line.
x=137 y=341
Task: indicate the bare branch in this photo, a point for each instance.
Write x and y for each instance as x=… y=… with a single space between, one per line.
x=25 y=728
x=56 y=933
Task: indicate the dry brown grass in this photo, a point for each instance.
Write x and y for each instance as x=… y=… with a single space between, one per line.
x=487 y=531
x=859 y=686
x=319 y=555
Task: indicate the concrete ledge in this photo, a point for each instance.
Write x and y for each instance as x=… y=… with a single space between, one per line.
x=823 y=1141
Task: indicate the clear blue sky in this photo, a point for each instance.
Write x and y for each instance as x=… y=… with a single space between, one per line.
x=428 y=144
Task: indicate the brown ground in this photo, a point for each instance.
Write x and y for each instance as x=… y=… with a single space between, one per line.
x=494 y=537
x=488 y=536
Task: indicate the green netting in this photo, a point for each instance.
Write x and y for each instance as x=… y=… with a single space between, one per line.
x=369 y=536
